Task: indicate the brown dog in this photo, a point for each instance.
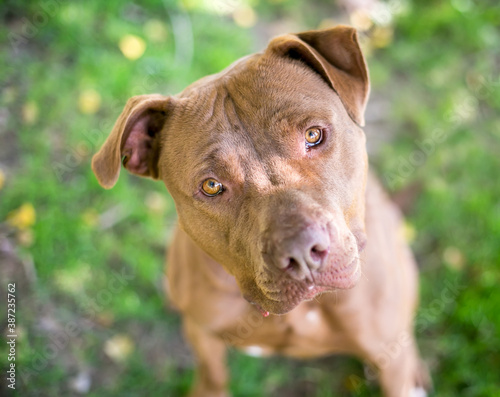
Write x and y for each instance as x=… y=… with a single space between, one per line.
x=267 y=165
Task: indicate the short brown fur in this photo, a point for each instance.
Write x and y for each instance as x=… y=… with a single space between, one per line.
x=245 y=128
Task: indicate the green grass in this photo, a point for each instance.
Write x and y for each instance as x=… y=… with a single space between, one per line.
x=440 y=72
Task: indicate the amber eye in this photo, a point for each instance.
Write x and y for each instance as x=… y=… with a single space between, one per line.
x=211 y=187
x=313 y=136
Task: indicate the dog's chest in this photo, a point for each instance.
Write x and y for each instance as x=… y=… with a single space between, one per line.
x=302 y=333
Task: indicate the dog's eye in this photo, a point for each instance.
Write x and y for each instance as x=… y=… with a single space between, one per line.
x=211 y=187
x=313 y=136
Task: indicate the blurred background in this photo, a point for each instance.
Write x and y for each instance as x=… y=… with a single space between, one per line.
x=92 y=318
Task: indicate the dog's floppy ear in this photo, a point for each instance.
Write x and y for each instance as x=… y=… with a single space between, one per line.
x=334 y=54
x=135 y=138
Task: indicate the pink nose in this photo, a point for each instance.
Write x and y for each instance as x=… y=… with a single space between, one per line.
x=302 y=253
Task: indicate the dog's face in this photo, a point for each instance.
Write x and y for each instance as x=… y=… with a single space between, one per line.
x=266 y=164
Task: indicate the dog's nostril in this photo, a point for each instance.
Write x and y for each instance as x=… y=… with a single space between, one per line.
x=292 y=264
x=318 y=253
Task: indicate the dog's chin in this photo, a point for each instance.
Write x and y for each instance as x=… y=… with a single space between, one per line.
x=298 y=292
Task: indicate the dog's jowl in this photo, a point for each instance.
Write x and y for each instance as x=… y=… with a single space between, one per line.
x=267 y=165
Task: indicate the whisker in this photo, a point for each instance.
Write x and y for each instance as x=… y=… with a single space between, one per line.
x=361 y=268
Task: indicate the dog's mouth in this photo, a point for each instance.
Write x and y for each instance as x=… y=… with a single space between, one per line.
x=288 y=293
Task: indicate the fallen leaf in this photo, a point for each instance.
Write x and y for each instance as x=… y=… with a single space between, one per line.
x=156 y=202
x=118 y=348
x=453 y=258
x=132 y=46
x=361 y=20
x=89 y=101
x=245 y=17
x=30 y=112
x=22 y=218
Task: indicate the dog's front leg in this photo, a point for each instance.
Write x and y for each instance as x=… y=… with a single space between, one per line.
x=404 y=375
x=211 y=375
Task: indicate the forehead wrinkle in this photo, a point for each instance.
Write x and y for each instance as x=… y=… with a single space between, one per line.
x=257 y=143
x=221 y=159
x=238 y=160
x=205 y=107
x=258 y=178
x=276 y=123
x=209 y=154
x=231 y=162
x=203 y=111
x=284 y=170
x=252 y=166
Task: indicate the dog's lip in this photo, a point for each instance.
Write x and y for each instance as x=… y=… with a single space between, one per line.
x=348 y=270
x=314 y=290
x=343 y=278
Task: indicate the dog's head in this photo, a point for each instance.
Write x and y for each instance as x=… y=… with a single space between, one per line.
x=266 y=163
